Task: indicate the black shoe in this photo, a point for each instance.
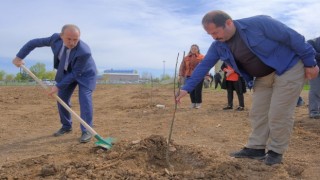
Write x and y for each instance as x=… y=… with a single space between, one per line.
x=314 y=115
x=85 y=137
x=227 y=108
x=240 y=108
x=61 y=132
x=273 y=158
x=249 y=153
x=300 y=103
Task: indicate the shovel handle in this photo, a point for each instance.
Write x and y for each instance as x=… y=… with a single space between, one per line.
x=93 y=132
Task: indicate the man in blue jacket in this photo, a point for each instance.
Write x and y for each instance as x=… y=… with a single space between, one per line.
x=75 y=67
x=273 y=56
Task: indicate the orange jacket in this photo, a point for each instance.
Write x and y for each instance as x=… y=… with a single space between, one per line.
x=233 y=75
x=189 y=63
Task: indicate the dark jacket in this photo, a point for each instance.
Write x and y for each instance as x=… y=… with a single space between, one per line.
x=315 y=43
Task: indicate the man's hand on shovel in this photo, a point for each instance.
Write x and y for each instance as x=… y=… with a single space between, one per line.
x=18 y=61
x=54 y=90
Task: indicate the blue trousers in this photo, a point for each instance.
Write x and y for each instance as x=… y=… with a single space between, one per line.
x=86 y=108
x=314 y=95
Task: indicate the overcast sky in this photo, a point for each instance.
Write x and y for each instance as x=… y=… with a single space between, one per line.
x=135 y=34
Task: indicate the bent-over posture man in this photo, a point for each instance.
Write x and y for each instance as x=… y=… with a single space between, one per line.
x=277 y=58
x=75 y=67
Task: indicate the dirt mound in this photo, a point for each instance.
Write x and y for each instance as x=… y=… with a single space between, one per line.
x=145 y=159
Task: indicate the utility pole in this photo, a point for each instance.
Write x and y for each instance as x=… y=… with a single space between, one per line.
x=164 y=69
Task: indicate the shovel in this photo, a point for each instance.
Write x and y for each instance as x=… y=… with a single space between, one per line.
x=104 y=143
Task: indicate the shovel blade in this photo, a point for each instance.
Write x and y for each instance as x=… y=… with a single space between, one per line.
x=104 y=143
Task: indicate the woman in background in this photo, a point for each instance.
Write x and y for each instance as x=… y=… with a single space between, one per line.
x=233 y=82
x=187 y=66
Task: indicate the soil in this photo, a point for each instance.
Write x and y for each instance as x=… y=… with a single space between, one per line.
x=133 y=115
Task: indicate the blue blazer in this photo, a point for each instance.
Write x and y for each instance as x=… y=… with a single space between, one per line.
x=274 y=43
x=82 y=68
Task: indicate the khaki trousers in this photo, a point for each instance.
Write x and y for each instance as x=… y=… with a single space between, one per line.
x=273 y=102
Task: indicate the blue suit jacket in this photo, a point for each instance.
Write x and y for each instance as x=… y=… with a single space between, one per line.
x=82 y=68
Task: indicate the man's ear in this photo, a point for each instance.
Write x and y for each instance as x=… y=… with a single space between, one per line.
x=229 y=22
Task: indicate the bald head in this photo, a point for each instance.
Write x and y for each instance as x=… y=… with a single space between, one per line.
x=70 y=27
x=70 y=35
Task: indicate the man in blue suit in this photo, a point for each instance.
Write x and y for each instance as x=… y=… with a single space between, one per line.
x=75 y=67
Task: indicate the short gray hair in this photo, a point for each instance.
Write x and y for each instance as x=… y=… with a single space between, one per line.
x=69 y=26
x=216 y=17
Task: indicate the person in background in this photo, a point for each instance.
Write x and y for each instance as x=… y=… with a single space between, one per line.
x=314 y=92
x=207 y=81
x=300 y=102
x=211 y=77
x=274 y=60
x=75 y=67
x=217 y=79
x=187 y=66
x=233 y=83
